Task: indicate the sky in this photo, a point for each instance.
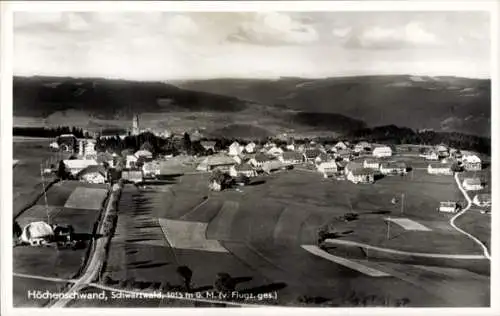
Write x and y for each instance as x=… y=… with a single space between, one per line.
x=202 y=45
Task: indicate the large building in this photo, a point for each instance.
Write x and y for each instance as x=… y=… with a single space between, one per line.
x=440 y=168
x=472 y=184
x=471 y=162
x=361 y=175
x=382 y=151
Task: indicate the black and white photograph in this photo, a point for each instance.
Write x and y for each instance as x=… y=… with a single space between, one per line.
x=203 y=157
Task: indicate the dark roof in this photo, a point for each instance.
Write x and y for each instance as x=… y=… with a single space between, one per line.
x=362 y=171
x=312 y=153
x=91 y=169
x=244 y=167
x=440 y=165
x=292 y=155
x=262 y=158
x=393 y=164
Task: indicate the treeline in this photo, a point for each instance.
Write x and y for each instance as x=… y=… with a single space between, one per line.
x=49 y=132
x=395 y=135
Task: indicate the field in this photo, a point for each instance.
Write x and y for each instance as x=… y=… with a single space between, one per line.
x=27 y=182
x=261 y=229
x=22 y=285
x=50 y=261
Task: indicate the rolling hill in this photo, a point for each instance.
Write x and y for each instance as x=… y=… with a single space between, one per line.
x=94 y=103
x=440 y=103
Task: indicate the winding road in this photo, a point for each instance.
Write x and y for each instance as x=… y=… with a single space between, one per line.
x=452 y=220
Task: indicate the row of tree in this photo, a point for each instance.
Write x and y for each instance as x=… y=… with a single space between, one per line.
x=49 y=132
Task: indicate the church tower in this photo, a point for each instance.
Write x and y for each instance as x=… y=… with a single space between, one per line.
x=135 y=125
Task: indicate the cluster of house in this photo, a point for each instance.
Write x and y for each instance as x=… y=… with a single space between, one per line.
x=447 y=157
x=336 y=160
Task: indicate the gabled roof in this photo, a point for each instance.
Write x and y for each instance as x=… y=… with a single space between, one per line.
x=440 y=165
x=219 y=160
x=393 y=164
x=362 y=171
x=79 y=163
x=143 y=152
x=371 y=161
x=262 y=158
x=92 y=169
x=292 y=155
x=244 y=167
x=483 y=197
x=312 y=153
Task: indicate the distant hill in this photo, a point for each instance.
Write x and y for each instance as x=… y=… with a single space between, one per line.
x=95 y=103
x=419 y=102
x=102 y=98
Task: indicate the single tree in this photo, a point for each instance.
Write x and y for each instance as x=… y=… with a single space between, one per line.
x=61 y=171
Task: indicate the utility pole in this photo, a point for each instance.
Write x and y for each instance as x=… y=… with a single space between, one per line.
x=388 y=227
x=45 y=194
x=402 y=203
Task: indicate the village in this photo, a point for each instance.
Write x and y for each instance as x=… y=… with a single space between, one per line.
x=94 y=180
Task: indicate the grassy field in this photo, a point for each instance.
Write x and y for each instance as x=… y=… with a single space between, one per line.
x=21 y=286
x=263 y=225
x=50 y=261
x=27 y=181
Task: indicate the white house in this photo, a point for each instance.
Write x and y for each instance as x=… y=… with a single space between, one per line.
x=275 y=151
x=220 y=161
x=393 y=167
x=259 y=160
x=144 y=154
x=327 y=168
x=344 y=154
x=244 y=169
x=471 y=162
x=361 y=175
x=151 y=169
x=310 y=155
x=472 y=184
x=93 y=174
x=482 y=200
x=382 y=151
x=54 y=145
x=74 y=166
x=130 y=161
x=37 y=233
x=430 y=155
x=449 y=207
x=291 y=157
x=362 y=146
x=290 y=147
x=250 y=147
x=341 y=146
x=235 y=149
x=371 y=164
x=439 y=168
x=134 y=176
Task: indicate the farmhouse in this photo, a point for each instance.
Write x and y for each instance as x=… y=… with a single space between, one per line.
x=328 y=169
x=393 y=167
x=482 y=200
x=220 y=161
x=361 y=175
x=74 y=166
x=86 y=147
x=449 y=207
x=341 y=146
x=344 y=154
x=250 y=147
x=275 y=151
x=430 y=155
x=134 y=176
x=362 y=146
x=472 y=184
x=244 y=169
x=382 y=151
x=439 y=168
x=208 y=145
x=151 y=169
x=371 y=164
x=273 y=165
x=291 y=157
x=93 y=174
x=143 y=153
x=471 y=162
x=130 y=161
x=260 y=159
x=311 y=154
x=37 y=233
x=235 y=149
